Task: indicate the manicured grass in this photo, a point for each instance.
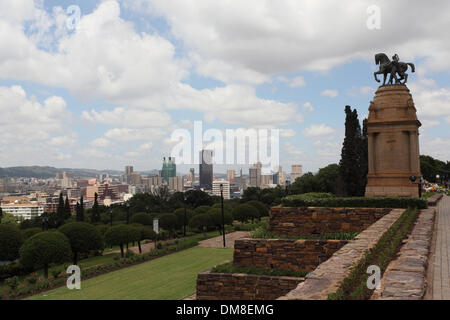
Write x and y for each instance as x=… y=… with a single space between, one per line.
x=167 y=278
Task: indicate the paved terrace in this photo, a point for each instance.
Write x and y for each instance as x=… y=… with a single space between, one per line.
x=439 y=273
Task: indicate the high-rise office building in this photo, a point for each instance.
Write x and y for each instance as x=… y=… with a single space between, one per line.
x=192 y=175
x=206 y=169
x=128 y=170
x=230 y=175
x=296 y=172
x=226 y=188
x=176 y=184
x=169 y=169
x=255 y=175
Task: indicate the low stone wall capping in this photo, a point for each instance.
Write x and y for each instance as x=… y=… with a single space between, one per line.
x=237 y=286
x=311 y=221
x=284 y=254
x=326 y=278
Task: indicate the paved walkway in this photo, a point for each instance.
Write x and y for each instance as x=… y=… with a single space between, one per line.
x=439 y=263
x=217 y=242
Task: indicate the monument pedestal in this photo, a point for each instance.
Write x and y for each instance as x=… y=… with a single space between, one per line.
x=393 y=135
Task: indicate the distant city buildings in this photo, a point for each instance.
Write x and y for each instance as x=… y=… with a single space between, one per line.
x=169 y=169
x=255 y=175
x=216 y=188
x=206 y=169
x=21 y=207
x=230 y=175
x=296 y=172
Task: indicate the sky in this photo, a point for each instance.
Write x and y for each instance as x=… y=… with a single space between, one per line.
x=104 y=84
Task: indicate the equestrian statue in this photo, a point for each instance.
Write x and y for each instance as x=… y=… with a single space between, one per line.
x=394 y=68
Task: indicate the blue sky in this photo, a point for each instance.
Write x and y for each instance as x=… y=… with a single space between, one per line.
x=111 y=92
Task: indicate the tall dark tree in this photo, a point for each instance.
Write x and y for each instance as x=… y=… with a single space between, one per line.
x=60 y=212
x=67 y=212
x=80 y=210
x=1 y=215
x=351 y=167
x=364 y=157
x=95 y=210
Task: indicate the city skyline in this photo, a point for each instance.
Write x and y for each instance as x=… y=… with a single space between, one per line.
x=68 y=101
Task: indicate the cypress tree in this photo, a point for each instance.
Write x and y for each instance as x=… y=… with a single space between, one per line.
x=351 y=156
x=364 y=157
x=80 y=210
x=95 y=210
x=60 y=212
x=67 y=212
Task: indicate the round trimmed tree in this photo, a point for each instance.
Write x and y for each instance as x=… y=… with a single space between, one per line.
x=169 y=222
x=83 y=238
x=45 y=248
x=179 y=213
x=261 y=207
x=142 y=218
x=201 y=209
x=201 y=222
x=215 y=215
x=122 y=235
x=245 y=212
x=28 y=233
x=10 y=241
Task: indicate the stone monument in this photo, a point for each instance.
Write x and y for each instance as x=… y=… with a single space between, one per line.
x=393 y=135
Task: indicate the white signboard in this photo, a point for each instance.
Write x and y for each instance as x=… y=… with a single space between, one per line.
x=156 y=225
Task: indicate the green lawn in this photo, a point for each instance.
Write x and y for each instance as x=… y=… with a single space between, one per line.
x=167 y=278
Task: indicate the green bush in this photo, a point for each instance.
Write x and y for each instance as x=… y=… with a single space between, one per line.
x=83 y=238
x=201 y=209
x=201 y=222
x=10 y=241
x=245 y=212
x=121 y=235
x=142 y=218
x=28 y=233
x=354 y=202
x=261 y=207
x=45 y=248
x=12 y=269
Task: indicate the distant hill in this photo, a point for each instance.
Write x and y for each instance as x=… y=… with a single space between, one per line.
x=50 y=172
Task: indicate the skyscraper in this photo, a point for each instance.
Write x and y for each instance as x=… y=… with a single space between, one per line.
x=296 y=172
x=169 y=169
x=206 y=169
x=255 y=175
x=230 y=175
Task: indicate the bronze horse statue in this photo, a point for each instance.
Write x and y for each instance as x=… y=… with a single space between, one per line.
x=393 y=67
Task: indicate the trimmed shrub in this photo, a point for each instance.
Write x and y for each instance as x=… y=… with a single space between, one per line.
x=179 y=213
x=168 y=221
x=83 y=238
x=28 y=233
x=142 y=218
x=201 y=222
x=45 y=248
x=354 y=202
x=215 y=215
x=245 y=212
x=261 y=207
x=201 y=209
x=120 y=235
x=10 y=241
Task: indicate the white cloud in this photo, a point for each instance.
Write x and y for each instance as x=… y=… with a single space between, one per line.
x=297 y=82
x=100 y=143
x=29 y=129
x=293 y=150
x=316 y=131
x=268 y=37
x=287 y=133
x=308 y=106
x=330 y=93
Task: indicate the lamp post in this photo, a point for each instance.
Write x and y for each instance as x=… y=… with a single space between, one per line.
x=110 y=216
x=287 y=187
x=128 y=212
x=184 y=221
x=223 y=216
x=419 y=184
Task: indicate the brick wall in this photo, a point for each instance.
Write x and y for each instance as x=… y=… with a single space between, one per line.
x=227 y=286
x=284 y=254
x=285 y=221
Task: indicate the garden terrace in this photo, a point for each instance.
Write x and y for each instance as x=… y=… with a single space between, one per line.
x=314 y=221
x=284 y=254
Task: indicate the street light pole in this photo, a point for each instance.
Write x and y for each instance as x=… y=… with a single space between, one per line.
x=184 y=221
x=128 y=212
x=223 y=216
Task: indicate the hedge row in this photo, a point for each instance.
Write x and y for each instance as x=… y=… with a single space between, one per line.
x=354 y=287
x=229 y=268
x=354 y=202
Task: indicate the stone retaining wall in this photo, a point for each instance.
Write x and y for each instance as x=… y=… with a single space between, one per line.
x=434 y=199
x=326 y=278
x=405 y=277
x=233 y=286
x=284 y=254
x=285 y=221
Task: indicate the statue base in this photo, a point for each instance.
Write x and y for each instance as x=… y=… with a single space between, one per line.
x=393 y=135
